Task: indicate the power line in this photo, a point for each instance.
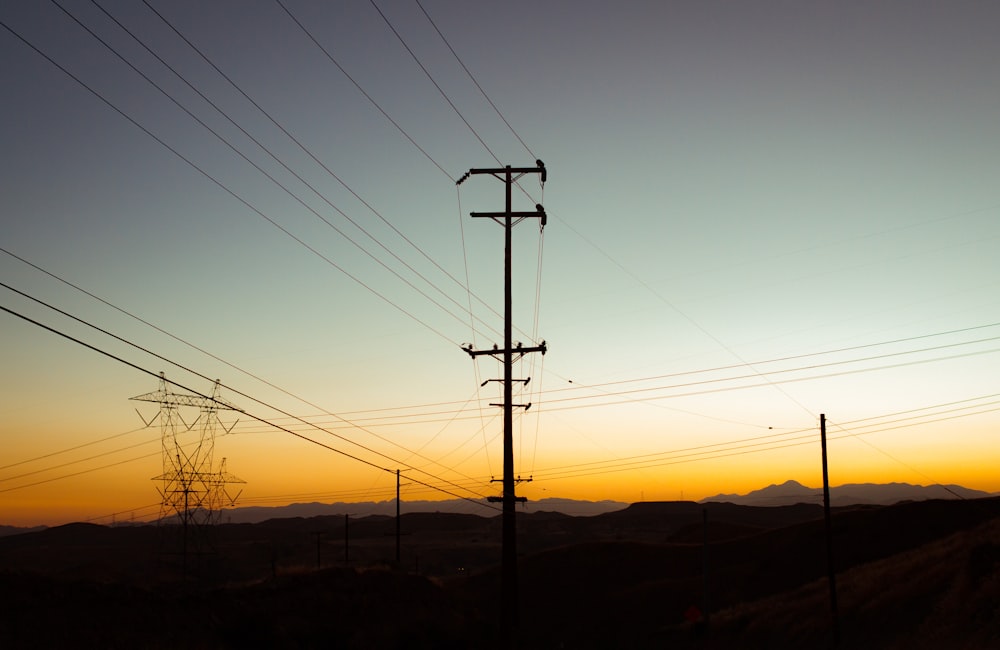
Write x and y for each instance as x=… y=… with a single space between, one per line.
x=676 y=309
x=267 y=175
x=609 y=467
x=598 y=468
x=754 y=444
x=192 y=346
x=247 y=413
x=334 y=61
x=655 y=460
x=81 y=460
x=74 y=474
x=785 y=436
x=808 y=355
x=224 y=187
x=130 y=511
x=162 y=358
x=381 y=110
x=351 y=424
x=325 y=168
x=435 y=83
x=473 y=78
x=69 y=449
x=89 y=470
x=477 y=378
x=743 y=361
x=419 y=418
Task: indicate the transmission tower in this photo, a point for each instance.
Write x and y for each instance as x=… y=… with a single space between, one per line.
x=193 y=492
x=508 y=219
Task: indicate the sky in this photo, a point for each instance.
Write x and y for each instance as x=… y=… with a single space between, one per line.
x=758 y=213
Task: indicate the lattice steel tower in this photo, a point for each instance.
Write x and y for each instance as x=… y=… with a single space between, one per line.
x=193 y=492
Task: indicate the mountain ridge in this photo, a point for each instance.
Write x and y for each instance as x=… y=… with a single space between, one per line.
x=255 y=514
x=791 y=492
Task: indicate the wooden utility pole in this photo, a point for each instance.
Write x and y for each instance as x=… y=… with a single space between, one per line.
x=347 y=540
x=319 y=542
x=508 y=219
x=706 y=604
x=397 y=517
x=829 y=536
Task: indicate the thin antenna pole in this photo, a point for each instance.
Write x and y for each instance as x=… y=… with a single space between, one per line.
x=829 y=536
x=397 y=517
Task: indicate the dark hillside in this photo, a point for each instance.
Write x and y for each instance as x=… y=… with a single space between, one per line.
x=944 y=594
x=613 y=593
x=627 y=579
x=330 y=609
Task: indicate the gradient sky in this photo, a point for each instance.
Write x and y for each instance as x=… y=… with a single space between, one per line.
x=758 y=213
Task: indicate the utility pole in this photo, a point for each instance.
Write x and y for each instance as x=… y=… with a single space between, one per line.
x=347 y=540
x=397 y=517
x=829 y=535
x=508 y=219
x=319 y=552
x=706 y=604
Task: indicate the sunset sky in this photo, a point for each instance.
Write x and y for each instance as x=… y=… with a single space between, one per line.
x=758 y=212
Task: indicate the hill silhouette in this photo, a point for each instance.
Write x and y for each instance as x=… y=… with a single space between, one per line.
x=622 y=579
x=791 y=492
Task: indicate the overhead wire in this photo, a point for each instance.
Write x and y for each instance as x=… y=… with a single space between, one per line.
x=325 y=168
x=75 y=462
x=767 y=383
x=715 y=451
x=75 y=474
x=130 y=511
x=338 y=418
x=381 y=110
x=247 y=413
x=855 y=423
x=225 y=188
x=189 y=370
x=805 y=355
x=718 y=450
x=434 y=82
x=192 y=444
x=761 y=443
x=440 y=430
x=450 y=103
x=536 y=390
x=69 y=449
x=474 y=80
x=553 y=396
x=755 y=444
x=893 y=458
x=260 y=169
x=744 y=364
x=367 y=96
x=106 y=101
x=649 y=288
x=536 y=310
x=477 y=377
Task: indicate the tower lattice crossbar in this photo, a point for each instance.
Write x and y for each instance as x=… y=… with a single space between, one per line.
x=193 y=490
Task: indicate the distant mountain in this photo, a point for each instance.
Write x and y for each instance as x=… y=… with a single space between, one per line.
x=255 y=514
x=792 y=492
x=15 y=530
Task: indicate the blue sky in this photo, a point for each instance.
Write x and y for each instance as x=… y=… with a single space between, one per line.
x=729 y=185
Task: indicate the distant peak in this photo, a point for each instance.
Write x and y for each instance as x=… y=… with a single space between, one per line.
x=787 y=485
